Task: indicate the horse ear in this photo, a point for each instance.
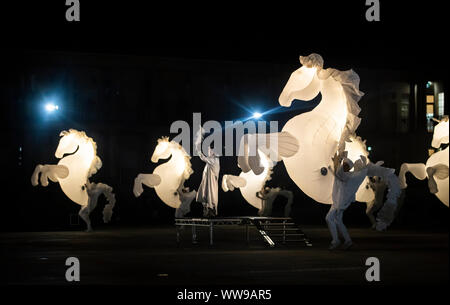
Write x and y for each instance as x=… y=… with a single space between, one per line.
x=63 y=133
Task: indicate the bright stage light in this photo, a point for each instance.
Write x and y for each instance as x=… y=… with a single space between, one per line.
x=50 y=107
x=257 y=115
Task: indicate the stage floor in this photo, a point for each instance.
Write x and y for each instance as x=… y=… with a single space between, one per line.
x=149 y=255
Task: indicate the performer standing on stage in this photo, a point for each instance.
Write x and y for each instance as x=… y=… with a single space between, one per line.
x=208 y=191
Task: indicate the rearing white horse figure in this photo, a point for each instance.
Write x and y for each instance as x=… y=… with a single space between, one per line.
x=73 y=173
x=167 y=177
x=436 y=167
x=324 y=131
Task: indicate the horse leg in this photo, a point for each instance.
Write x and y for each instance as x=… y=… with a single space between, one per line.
x=84 y=214
x=417 y=169
x=150 y=180
x=86 y=210
x=35 y=175
x=440 y=171
x=48 y=171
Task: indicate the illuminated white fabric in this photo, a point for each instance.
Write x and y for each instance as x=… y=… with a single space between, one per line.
x=78 y=162
x=436 y=167
x=324 y=130
x=72 y=171
x=208 y=191
x=257 y=167
x=167 y=177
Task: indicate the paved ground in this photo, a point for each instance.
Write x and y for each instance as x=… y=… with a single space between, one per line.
x=150 y=256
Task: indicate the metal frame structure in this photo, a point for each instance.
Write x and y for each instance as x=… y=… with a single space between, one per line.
x=270 y=228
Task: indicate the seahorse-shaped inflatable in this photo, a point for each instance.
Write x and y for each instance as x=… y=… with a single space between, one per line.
x=167 y=177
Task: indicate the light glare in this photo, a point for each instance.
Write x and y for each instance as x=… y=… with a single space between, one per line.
x=50 y=107
x=257 y=115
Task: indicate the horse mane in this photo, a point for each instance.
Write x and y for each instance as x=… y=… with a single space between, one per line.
x=269 y=169
x=187 y=158
x=349 y=81
x=360 y=141
x=96 y=162
x=269 y=175
x=163 y=139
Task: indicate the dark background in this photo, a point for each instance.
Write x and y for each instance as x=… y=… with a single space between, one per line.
x=127 y=70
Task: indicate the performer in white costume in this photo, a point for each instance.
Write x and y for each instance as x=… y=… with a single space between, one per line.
x=94 y=190
x=346 y=184
x=186 y=198
x=208 y=190
x=268 y=195
x=378 y=186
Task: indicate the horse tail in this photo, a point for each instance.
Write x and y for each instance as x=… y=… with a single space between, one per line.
x=388 y=212
x=111 y=198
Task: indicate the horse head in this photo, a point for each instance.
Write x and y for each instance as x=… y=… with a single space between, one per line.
x=68 y=144
x=303 y=84
x=440 y=135
x=163 y=150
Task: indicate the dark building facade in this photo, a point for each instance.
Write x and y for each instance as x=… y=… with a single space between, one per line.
x=126 y=102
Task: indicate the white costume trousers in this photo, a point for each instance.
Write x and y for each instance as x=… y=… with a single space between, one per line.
x=336 y=225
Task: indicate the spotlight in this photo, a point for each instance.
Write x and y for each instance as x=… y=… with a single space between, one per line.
x=257 y=115
x=50 y=107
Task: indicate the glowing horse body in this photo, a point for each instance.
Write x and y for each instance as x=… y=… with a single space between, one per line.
x=323 y=132
x=436 y=167
x=250 y=183
x=328 y=129
x=167 y=177
x=73 y=173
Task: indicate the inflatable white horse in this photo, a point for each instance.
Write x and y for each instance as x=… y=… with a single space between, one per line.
x=323 y=132
x=436 y=167
x=249 y=183
x=73 y=173
x=167 y=177
x=257 y=170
